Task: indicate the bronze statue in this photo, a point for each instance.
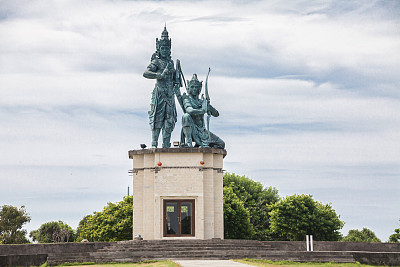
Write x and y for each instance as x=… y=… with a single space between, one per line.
x=193 y=126
x=162 y=114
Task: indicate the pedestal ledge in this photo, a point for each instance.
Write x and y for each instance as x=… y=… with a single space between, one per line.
x=177 y=150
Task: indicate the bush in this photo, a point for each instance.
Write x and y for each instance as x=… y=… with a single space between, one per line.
x=255 y=198
x=365 y=235
x=236 y=217
x=296 y=216
x=114 y=223
x=395 y=238
x=53 y=232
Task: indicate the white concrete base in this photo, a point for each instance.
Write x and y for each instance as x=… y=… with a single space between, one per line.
x=181 y=176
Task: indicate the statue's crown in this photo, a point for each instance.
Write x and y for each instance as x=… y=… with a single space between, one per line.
x=195 y=81
x=164 y=41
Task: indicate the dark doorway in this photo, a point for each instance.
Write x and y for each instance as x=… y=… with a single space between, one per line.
x=179 y=217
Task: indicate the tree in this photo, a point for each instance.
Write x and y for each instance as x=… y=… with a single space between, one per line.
x=256 y=199
x=53 y=232
x=296 y=216
x=395 y=238
x=365 y=235
x=236 y=217
x=114 y=223
x=11 y=221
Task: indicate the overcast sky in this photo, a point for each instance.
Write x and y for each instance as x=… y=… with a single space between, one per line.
x=308 y=93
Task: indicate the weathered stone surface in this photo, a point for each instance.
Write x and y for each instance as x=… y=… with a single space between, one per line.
x=23 y=260
x=51 y=248
x=378 y=258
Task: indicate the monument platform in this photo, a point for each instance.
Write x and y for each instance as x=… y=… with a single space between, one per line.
x=387 y=254
x=177 y=193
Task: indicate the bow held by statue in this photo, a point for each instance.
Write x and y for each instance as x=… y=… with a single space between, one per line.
x=206 y=86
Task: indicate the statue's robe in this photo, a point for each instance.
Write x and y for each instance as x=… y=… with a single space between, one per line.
x=162 y=113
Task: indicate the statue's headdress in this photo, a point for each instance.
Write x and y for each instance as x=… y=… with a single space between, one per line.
x=195 y=81
x=164 y=41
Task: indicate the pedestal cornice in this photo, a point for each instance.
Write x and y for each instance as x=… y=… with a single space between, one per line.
x=177 y=150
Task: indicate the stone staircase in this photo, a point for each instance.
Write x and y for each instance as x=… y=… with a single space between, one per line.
x=134 y=251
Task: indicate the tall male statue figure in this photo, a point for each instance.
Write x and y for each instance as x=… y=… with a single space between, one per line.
x=193 y=126
x=162 y=112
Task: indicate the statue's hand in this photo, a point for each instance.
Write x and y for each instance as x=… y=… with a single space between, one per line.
x=166 y=70
x=177 y=90
x=204 y=104
x=213 y=111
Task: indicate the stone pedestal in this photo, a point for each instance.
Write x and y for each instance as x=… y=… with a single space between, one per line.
x=180 y=179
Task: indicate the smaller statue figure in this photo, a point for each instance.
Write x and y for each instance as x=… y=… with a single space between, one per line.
x=194 y=108
x=162 y=114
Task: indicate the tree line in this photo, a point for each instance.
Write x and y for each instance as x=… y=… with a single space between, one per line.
x=251 y=211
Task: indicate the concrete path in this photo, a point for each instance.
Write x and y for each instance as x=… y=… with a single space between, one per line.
x=210 y=263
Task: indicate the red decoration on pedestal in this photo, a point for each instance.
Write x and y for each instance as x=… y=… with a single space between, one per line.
x=202 y=162
x=159 y=164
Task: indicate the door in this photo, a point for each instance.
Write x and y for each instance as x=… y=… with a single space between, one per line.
x=179 y=217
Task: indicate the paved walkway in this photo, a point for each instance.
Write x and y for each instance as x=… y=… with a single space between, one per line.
x=210 y=263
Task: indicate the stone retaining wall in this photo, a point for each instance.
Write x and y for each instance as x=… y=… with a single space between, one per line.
x=378 y=258
x=27 y=249
x=36 y=254
x=366 y=253
x=336 y=246
x=23 y=260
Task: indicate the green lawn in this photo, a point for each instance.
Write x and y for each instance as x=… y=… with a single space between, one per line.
x=256 y=262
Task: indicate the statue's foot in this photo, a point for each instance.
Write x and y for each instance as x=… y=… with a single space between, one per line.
x=202 y=145
x=189 y=144
x=184 y=145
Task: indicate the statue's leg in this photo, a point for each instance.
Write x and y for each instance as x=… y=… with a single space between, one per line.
x=166 y=132
x=187 y=129
x=216 y=142
x=169 y=122
x=155 y=133
x=166 y=137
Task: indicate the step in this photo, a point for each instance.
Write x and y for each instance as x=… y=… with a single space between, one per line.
x=173 y=248
x=133 y=251
x=183 y=245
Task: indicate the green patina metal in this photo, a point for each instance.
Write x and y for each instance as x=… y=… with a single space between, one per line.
x=162 y=114
x=194 y=109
